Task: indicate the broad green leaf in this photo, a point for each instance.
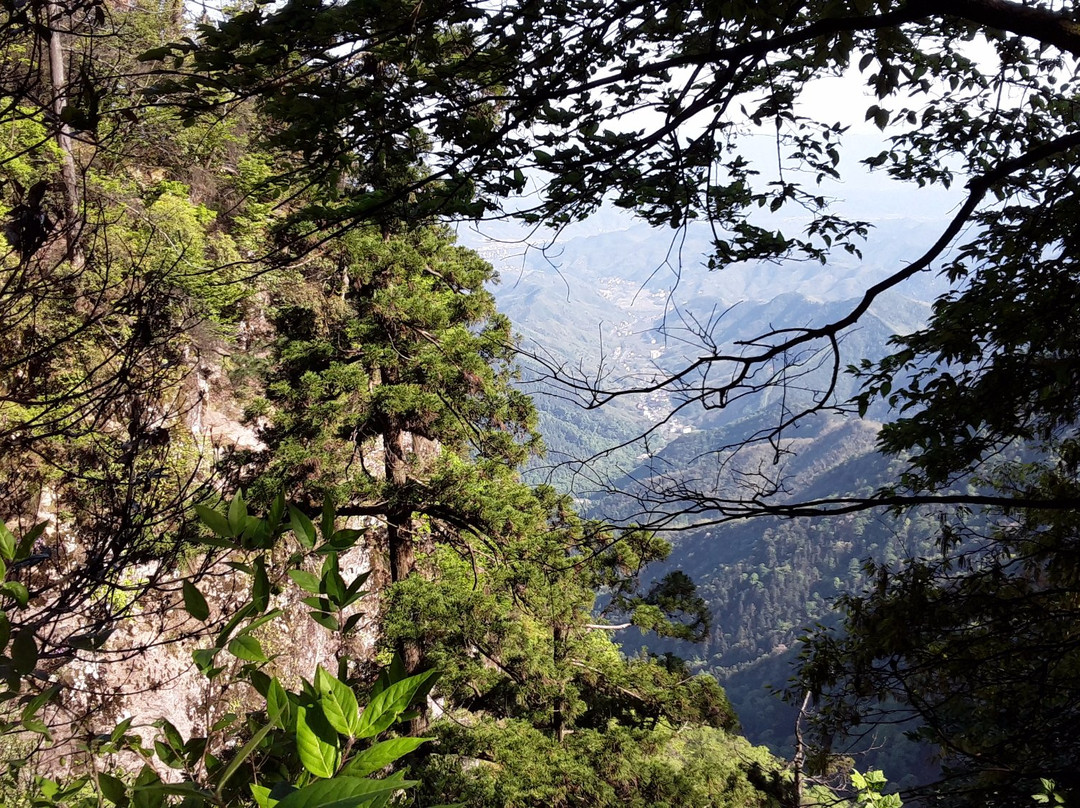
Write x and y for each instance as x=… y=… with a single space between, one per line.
x=238 y=514
x=17 y=591
x=24 y=652
x=302 y=527
x=254 y=624
x=113 y=789
x=241 y=756
x=345 y=539
x=167 y=755
x=277 y=510
x=342 y=792
x=382 y=754
x=257 y=533
x=260 y=587
x=277 y=704
x=26 y=544
x=332 y=582
x=39 y=701
x=204 y=658
x=155 y=54
x=306 y=581
x=325 y=620
x=146 y=792
x=215 y=521
x=172 y=734
x=247 y=648
x=234 y=621
x=194 y=602
x=38 y=727
x=316 y=744
x=384 y=709
x=7 y=543
x=224 y=722
x=351 y=622
x=262 y=796
x=120 y=729
x=5 y=630
x=338 y=703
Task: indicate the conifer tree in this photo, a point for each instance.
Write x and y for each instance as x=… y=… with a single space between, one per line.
x=390 y=353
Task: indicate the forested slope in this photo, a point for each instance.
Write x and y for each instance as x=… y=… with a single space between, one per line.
x=252 y=457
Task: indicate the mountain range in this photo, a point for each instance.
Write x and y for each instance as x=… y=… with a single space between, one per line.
x=616 y=304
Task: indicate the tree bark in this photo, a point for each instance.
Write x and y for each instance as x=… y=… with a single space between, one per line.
x=402 y=551
x=558 y=710
x=68 y=171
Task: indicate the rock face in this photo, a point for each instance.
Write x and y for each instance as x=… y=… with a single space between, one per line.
x=144 y=670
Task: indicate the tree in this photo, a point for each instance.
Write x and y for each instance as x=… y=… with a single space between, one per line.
x=547 y=95
x=389 y=354
x=978 y=93
x=118 y=274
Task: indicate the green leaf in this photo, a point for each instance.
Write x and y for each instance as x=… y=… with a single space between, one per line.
x=238 y=514
x=260 y=587
x=146 y=792
x=241 y=615
x=338 y=703
x=277 y=704
x=224 y=722
x=24 y=652
x=273 y=614
x=167 y=755
x=262 y=796
x=326 y=621
x=7 y=543
x=26 y=544
x=381 y=755
x=204 y=658
x=342 y=792
x=241 y=756
x=332 y=582
x=172 y=735
x=277 y=511
x=306 y=580
x=345 y=539
x=247 y=648
x=317 y=744
x=302 y=527
x=215 y=521
x=194 y=603
x=155 y=54
x=17 y=591
x=385 y=708
x=5 y=630
x=39 y=701
x=113 y=789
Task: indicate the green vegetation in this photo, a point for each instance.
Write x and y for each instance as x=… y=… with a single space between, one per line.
x=264 y=199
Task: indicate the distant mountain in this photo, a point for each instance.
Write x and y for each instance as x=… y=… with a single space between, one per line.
x=620 y=304
x=621 y=307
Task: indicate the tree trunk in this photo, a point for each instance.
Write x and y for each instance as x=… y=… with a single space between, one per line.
x=558 y=711
x=402 y=552
x=68 y=171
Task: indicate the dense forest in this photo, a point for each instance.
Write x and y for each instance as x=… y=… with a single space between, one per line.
x=273 y=530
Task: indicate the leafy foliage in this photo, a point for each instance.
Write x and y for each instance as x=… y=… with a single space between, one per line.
x=309 y=748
